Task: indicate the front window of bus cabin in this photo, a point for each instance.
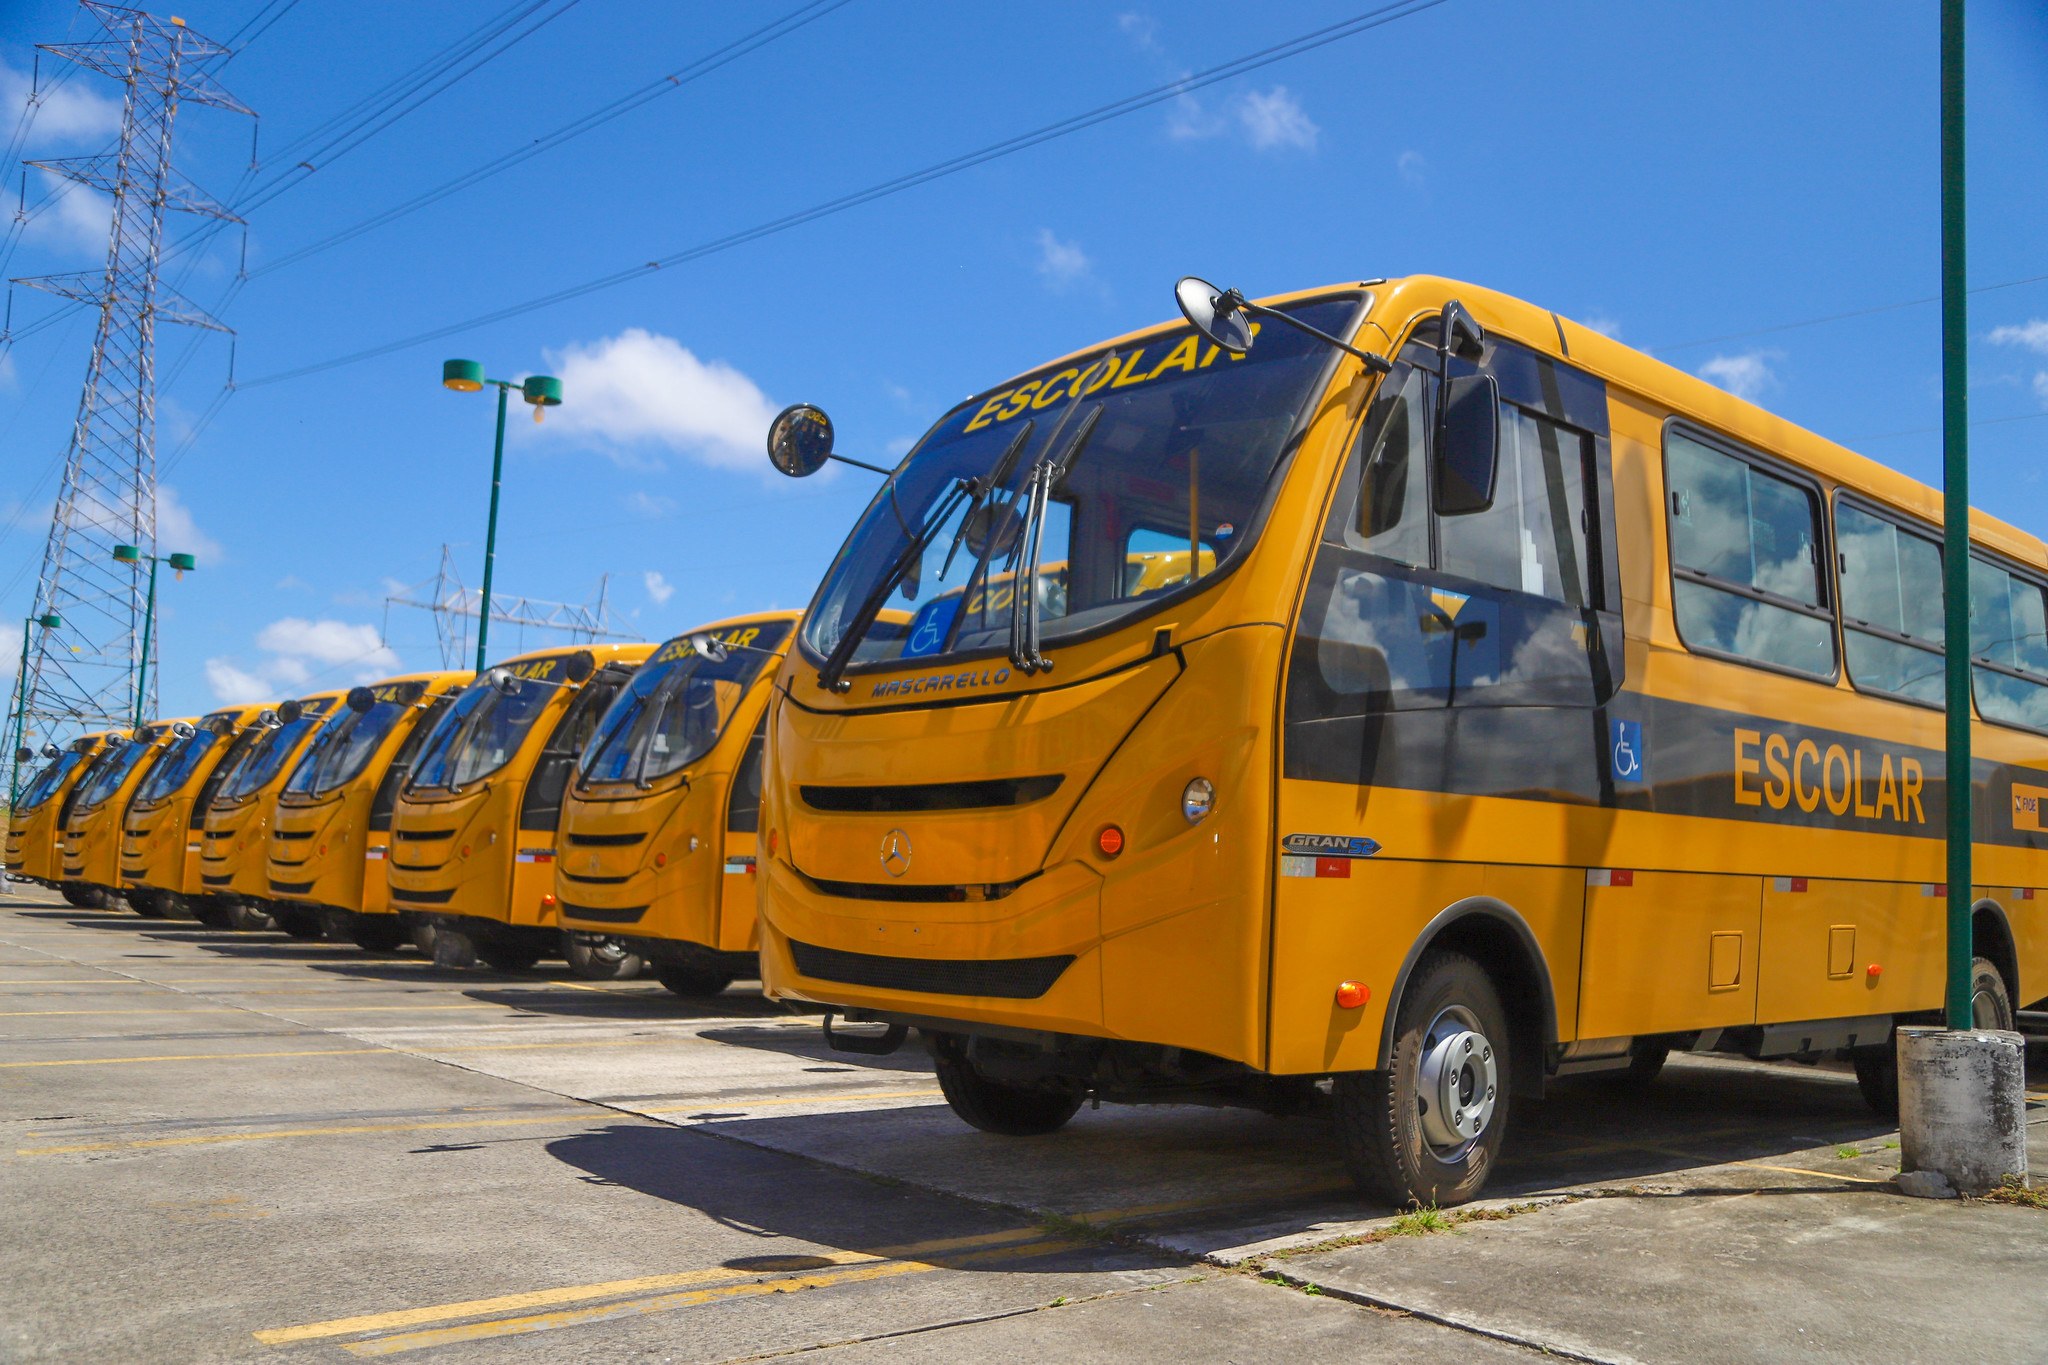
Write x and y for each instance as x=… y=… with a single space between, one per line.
x=108 y=775
x=1169 y=449
x=178 y=763
x=674 y=710
x=48 y=780
x=2009 y=646
x=265 y=757
x=342 y=749
x=478 y=735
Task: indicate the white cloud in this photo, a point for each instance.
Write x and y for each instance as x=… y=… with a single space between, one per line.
x=8 y=373
x=176 y=531
x=649 y=506
x=77 y=219
x=323 y=653
x=1604 y=325
x=1411 y=166
x=10 y=649
x=292 y=581
x=1746 y=376
x=1275 y=119
x=659 y=588
x=1061 y=263
x=2041 y=386
x=640 y=389
x=2032 y=334
x=72 y=112
x=1141 y=29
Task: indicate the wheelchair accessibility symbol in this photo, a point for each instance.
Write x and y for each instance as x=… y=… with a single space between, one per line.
x=1628 y=750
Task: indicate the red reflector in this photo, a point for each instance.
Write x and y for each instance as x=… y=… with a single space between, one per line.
x=771 y=842
x=1110 y=841
x=465 y=850
x=1333 y=867
x=1352 y=994
x=661 y=860
x=547 y=901
x=1875 y=970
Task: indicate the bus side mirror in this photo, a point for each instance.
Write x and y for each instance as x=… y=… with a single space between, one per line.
x=24 y=754
x=289 y=711
x=183 y=729
x=800 y=440
x=269 y=719
x=1467 y=445
x=502 y=680
x=361 y=699
x=1218 y=314
x=711 y=647
x=580 y=666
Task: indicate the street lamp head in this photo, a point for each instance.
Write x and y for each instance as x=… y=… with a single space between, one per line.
x=463 y=376
x=50 y=622
x=183 y=562
x=128 y=554
x=542 y=390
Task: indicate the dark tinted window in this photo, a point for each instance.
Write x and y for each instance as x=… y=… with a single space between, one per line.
x=2009 y=646
x=1891 y=606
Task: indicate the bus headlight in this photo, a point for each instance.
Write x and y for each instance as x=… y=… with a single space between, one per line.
x=1197 y=799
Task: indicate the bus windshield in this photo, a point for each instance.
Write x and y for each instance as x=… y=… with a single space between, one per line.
x=48 y=780
x=178 y=763
x=1168 y=449
x=266 y=756
x=110 y=772
x=676 y=707
x=343 y=748
x=479 y=734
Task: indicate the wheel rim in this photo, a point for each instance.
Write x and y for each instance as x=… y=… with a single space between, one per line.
x=1457 y=1084
x=1984 y=1011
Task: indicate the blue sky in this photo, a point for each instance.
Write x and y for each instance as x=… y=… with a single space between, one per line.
x=1673 y=173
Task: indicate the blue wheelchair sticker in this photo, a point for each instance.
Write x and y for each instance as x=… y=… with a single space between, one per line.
x=1627 y=738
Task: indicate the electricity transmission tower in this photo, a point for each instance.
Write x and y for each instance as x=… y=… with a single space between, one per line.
x=454 y=606
x=87 y=672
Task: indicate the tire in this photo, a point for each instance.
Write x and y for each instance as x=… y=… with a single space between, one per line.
x=991 y=1106
x=210 y=912
x=695 y=983
x=600 y=957
x=249 y=918
x=301 y=924
x=508 y=957
x=83 y=896
x=1645 y=1064
x=1428 y=1130
x=377 y=933
x=146 y=903
x=1877 y=1076
x=1990 y=1006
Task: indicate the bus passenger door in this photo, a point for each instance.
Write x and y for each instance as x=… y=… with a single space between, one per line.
x=737 y=931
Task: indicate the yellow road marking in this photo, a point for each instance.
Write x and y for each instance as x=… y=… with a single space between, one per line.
x=232 y=1009
x=1800 y=1170
x=811 y=1099
x=306 y=1132
x=200 y=1057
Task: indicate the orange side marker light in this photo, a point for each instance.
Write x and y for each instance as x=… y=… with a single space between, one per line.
x=1874 y=971
x=1110 y=841
x=1352 y=994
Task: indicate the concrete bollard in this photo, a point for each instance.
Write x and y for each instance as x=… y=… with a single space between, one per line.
x=1962 y=1110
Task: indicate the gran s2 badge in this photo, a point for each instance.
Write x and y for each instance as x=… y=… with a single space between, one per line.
x=1323 y=855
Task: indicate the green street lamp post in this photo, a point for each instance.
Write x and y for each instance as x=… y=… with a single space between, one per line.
x=48 y=621
x=1955 y=494
x=544 y=392
x=132 y=554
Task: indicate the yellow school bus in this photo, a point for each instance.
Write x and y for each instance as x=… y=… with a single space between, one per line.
x=655 y=859
x=35 y=826
x=1545 y=709
x=332 y=836
x=235 y=831
x=473 y=837
x=160 y=840
x=92 y=832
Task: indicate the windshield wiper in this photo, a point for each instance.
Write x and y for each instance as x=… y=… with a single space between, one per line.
x=830 y=676
x=1051 y=470
x=986 y=485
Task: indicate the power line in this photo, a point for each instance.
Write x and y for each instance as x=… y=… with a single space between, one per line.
x=703 y=66
x=1837 y=317
x=1371 y=19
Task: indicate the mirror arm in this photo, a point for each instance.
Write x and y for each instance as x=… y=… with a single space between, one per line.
x=1377 y=364
x=859 y=464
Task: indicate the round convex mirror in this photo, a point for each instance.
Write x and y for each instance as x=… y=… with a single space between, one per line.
x=580 y=666
x=991 y=530
x=800 y=440
x=289 y=711
x=361 y=699
x=1198 y=299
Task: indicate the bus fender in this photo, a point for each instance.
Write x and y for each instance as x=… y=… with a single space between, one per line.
x=1496 y=935
x=1992 y=936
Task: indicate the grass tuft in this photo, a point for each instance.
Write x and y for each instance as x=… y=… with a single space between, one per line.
x=2015 y=1190
x=1845 y=1153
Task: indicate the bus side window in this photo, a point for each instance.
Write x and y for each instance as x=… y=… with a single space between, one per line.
x=1745 y=561
x=2008 y=646
x=386 y=799
x=1533 y=538
x=1389 y=485
x=1891 y=607
x=541 y=806
x=743 y=806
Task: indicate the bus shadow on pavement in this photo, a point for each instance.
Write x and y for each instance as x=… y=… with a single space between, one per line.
x=568 y=1002
x=810 y=1045
x=777 y=1201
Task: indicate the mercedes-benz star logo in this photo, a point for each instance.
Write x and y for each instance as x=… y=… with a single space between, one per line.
x=896 y=852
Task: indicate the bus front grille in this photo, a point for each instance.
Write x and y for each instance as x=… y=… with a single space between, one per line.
x=421 y=836
x=598 y=914
x=606 y=840
x=423 y=897
x=929 y=796
x=1010 y=978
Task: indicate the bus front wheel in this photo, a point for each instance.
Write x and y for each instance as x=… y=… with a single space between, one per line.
x=695 y=983
x=1011 y=1110
x=600 y=957
x=1427 y=1130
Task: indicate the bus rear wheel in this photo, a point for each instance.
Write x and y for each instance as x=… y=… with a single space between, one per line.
x=600 y=957
x=696 y=983
x=1427 y=1130
x=1877 y=1070
x=508 y=957
x=993 y=1107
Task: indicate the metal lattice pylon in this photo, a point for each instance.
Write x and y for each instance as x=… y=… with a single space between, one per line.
x=454 y=606
x=85 y=673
